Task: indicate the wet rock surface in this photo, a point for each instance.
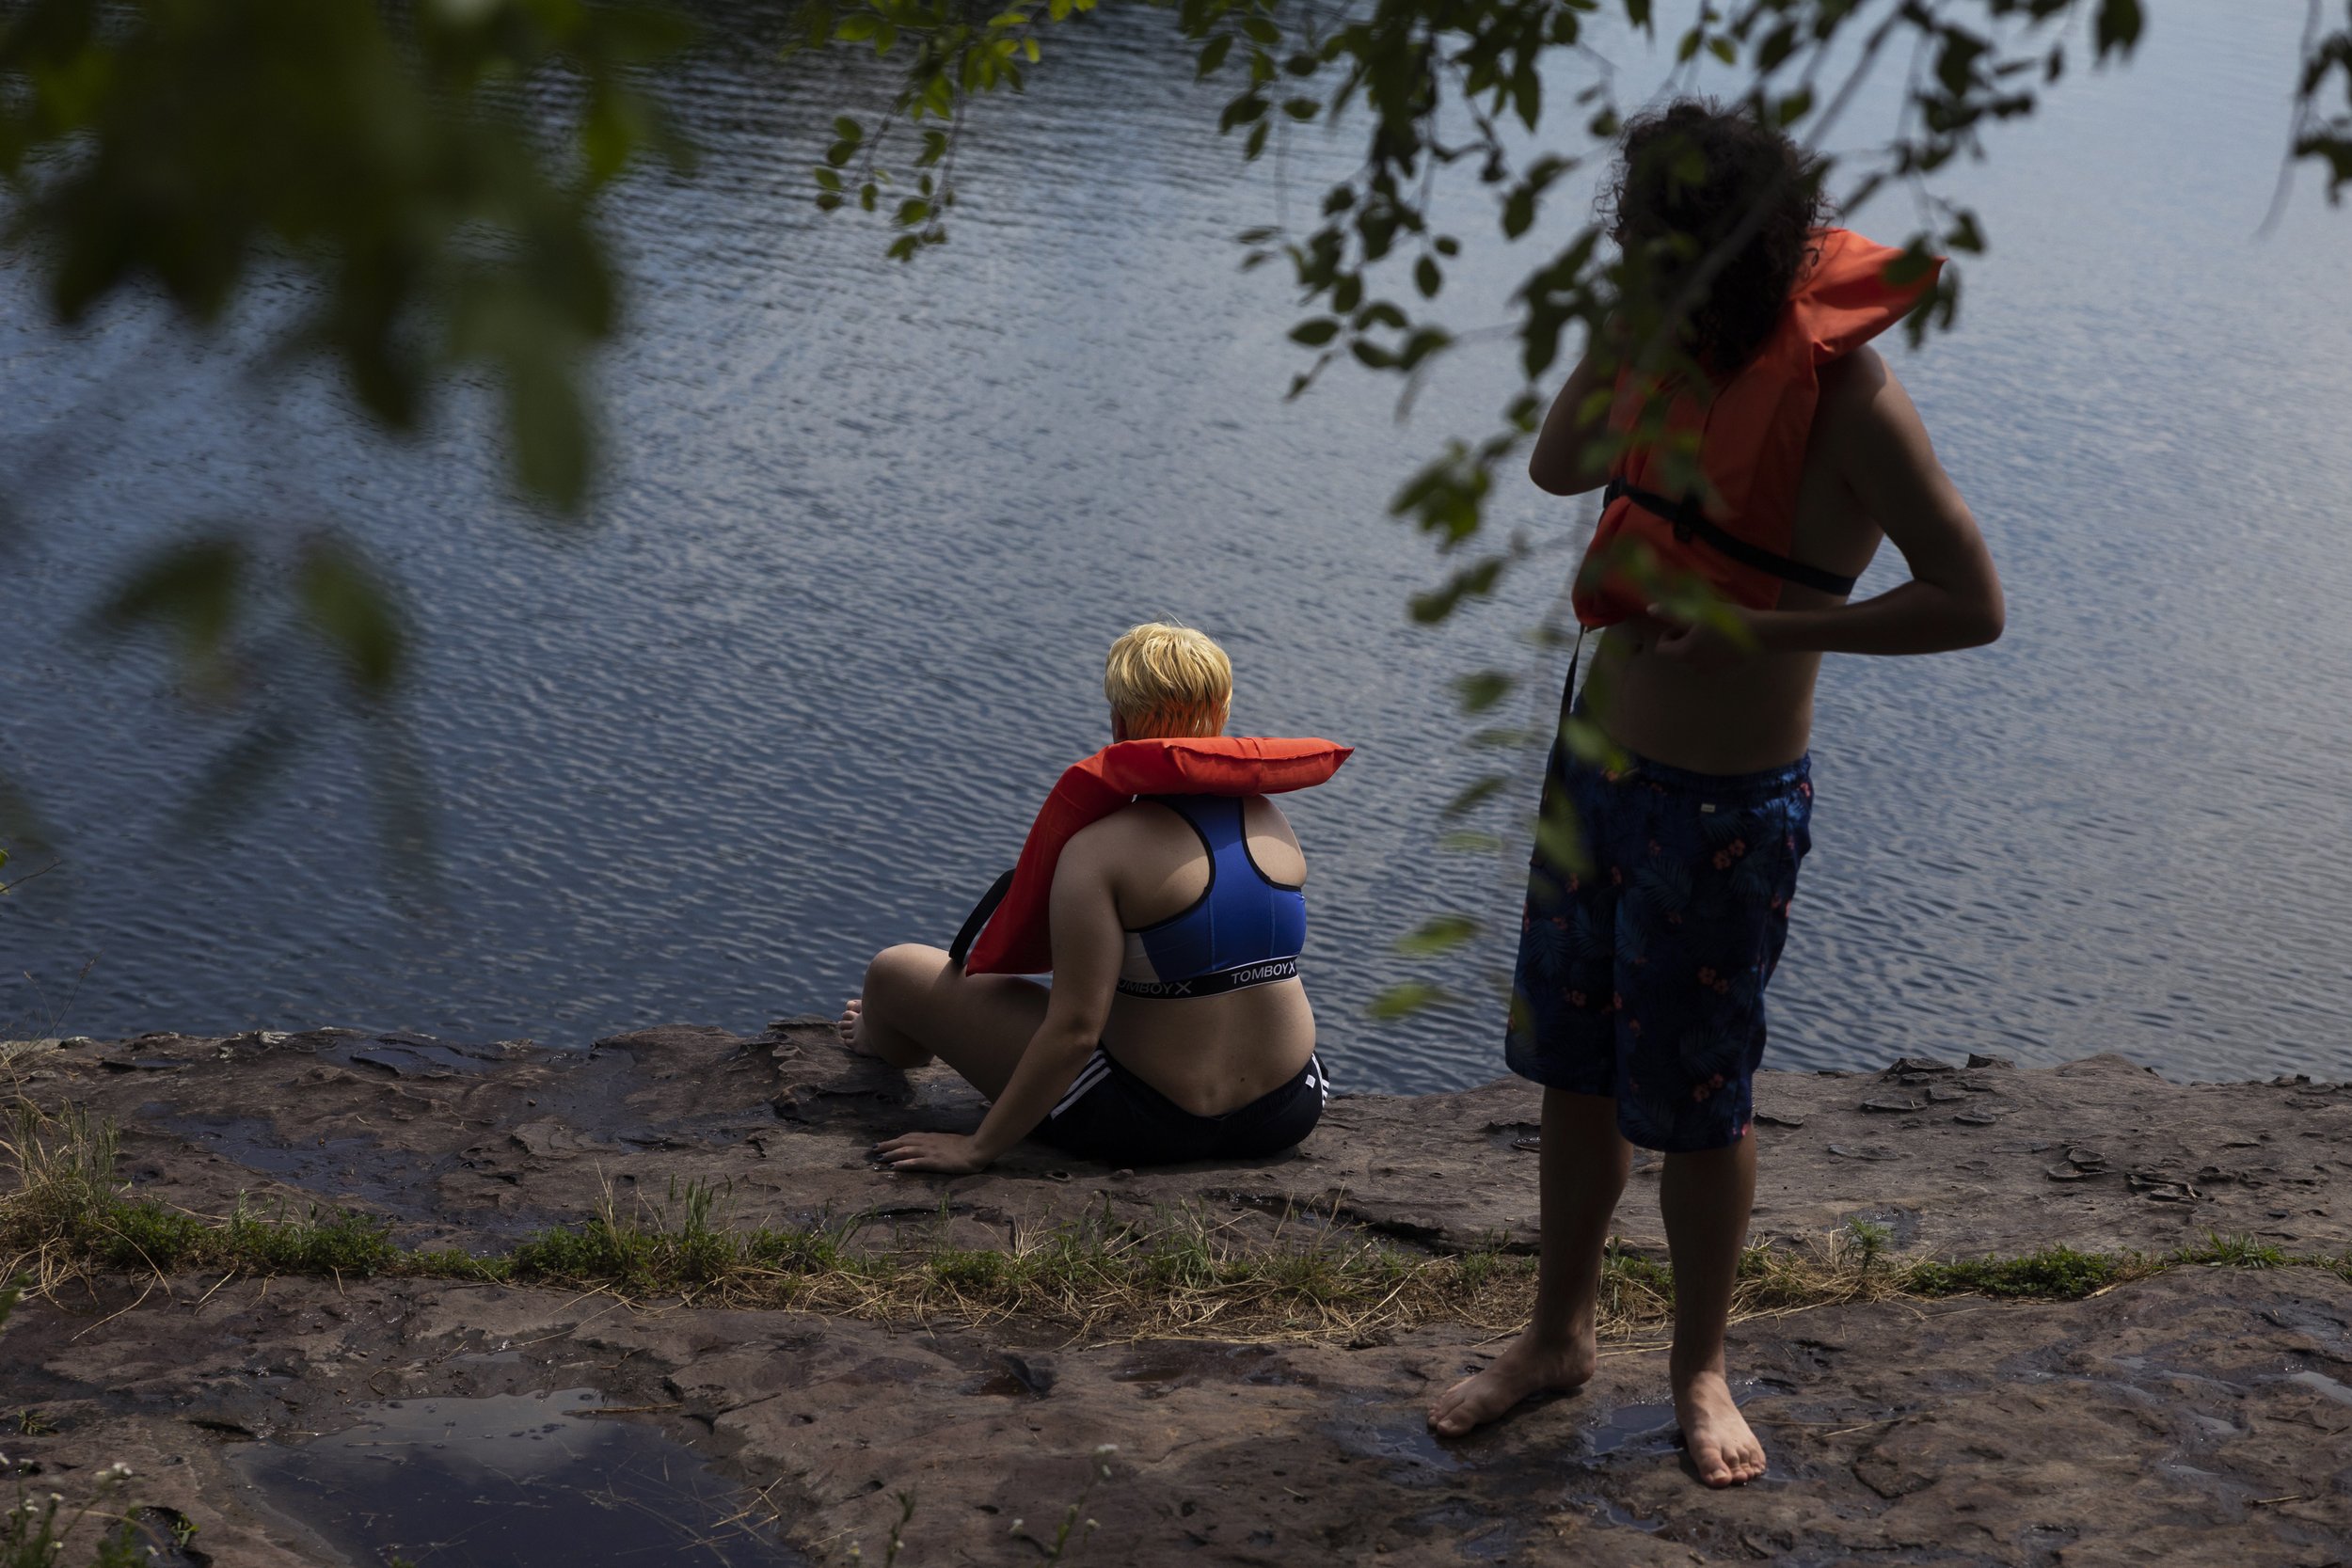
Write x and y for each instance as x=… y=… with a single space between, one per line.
x=2202 y=1415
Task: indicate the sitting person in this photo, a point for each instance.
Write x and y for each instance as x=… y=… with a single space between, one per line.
x=1176 y=1026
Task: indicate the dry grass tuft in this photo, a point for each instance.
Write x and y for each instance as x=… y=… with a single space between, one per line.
x=1182 y=1273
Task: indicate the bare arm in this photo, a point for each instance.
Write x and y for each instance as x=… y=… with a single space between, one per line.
x=1087 y=950
x=1569 y=456
x=1953 y=599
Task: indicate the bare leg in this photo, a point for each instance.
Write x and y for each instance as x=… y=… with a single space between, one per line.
x=1585 y=1163
x=1705 y=1199
x=918 y=1004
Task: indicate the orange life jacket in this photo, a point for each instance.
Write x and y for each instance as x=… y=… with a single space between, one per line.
x=1752 y=445
x=1011 y=922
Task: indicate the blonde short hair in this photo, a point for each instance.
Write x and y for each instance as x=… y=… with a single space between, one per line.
x=1167 y=680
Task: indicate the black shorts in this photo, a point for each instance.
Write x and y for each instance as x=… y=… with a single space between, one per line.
x=1112 y=1115
x=1643 y=978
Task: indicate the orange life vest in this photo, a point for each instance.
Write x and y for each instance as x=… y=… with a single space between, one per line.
x=1011 y=922
x=1752 y=445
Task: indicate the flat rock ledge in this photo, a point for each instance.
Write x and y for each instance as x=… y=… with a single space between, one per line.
x=2202 y=1415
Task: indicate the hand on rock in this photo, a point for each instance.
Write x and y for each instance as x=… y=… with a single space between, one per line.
x=954 y=1153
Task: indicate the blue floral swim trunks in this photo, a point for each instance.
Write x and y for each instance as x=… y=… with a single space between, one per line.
x=1644 y=977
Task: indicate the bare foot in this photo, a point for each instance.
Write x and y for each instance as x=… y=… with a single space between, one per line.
x=847 y=1025
x=1528 y=1365
x=1723 y=1448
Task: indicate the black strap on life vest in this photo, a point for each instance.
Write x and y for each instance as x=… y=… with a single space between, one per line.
x=1690 y=522
x=962 y=946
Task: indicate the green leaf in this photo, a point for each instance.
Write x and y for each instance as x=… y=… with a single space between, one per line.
x=1482 y=690
x=1403 y=1001
x=547 y=419
x=1301 y=108
x=1724 y=49
x=192 y=588
x=1912 y=265
x=1475 y=794
x=847 y=130
x=346 y=604
x=1475 y=581
x=1559 y=839
x=828 y=179
x=2118 y=26
x=1213 y=54
x=1518 y=212
x=1427 y=279
x=1241 y=111
x=1316 y=333
x=1438 y=934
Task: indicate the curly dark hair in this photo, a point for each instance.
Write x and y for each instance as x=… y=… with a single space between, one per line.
x=1688 y=181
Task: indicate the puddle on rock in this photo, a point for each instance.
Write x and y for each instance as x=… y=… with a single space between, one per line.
x=1604 y=1511
x=1646 y=1428
x=516 y=1481
x=337 y=1169
x=1379 y=1430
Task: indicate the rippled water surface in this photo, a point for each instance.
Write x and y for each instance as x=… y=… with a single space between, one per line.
x=836 y=620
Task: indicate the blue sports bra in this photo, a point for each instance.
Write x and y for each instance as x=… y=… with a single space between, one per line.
x=1244 y=930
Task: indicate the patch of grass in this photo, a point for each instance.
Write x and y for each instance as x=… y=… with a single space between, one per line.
x=322 y=1241
x=2054 y=1273
x=2236 y=1252
x=141 y=1233
x=1176 y=1274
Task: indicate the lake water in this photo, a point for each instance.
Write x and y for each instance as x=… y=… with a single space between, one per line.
x=835 y=622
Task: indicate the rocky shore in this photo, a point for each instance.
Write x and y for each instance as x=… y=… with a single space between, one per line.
x=2202 y=1415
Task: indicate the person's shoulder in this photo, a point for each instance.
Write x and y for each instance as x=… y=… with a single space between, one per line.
x=1853 y=381
x=1863 y=406
x=1121 y=831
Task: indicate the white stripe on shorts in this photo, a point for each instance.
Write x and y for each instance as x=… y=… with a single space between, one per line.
x=1097 y=1068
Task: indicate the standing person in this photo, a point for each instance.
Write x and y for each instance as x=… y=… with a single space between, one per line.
x=1639 y=998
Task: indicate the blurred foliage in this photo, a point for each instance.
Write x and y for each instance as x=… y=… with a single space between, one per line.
x=391 y=154
x=429 y=171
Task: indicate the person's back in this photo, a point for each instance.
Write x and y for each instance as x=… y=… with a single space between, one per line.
x=1185 y=874
x=1714 y=709
x=1176 y=1027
